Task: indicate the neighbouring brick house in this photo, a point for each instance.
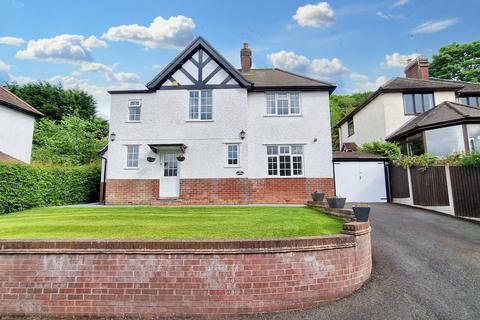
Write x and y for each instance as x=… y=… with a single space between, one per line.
x=205 y=132
x=394 y=107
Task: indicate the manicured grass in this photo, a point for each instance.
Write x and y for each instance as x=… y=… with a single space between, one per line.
x=150 y=223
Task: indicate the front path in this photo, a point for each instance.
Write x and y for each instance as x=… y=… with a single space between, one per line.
x=426 y=266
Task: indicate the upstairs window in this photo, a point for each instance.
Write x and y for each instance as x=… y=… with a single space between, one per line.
x=233 y=155
x=470 y=101
x=285 y=161
x=134 y=110
x=200 y=105
x=283 y=103
x=351 y=128
x=416 y=103
x=132 y=156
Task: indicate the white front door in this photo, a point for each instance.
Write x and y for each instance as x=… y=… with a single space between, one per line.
x=360 y=181
x=169 y=182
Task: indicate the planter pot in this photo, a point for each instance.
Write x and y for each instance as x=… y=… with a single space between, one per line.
x=337 y=203
x=361 y=213
x=318 y=196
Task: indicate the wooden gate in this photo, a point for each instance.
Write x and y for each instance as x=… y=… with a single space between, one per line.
x=466 y=191
x=399 y=182
x=429 y=186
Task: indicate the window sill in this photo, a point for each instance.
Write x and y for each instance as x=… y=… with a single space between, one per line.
x=133 y=121
x=282 y=115
x=130 y=168
x=234 y=167
x=199 y=120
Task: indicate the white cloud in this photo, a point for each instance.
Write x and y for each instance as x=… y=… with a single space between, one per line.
x=358 y=77
x=364 y=86
x=328 y=68
x=174 y=32
x=12 y=41
x=388 y=16
x=434 y=26
x=315 y=15
x=400 y=3
x=4 y=66
x=321 y=67
x=397 y=60
x=69 y=48
x=108 y=72
x=288 y=60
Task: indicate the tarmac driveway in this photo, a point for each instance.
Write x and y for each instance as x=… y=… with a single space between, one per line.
x=425 y=266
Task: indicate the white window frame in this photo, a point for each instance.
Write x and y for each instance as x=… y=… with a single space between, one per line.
x=277 y=95
x=289 y=153
x=237 y=165
x=131 y=106
x=127 y=160
x=199 y=113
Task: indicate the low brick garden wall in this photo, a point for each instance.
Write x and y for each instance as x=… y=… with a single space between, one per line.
x=164 y=278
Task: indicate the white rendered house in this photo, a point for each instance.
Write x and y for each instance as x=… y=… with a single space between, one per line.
x=17 y=121
x=401 y=100
x=205 y=132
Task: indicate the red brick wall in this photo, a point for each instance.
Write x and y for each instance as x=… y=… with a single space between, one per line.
x=131 y=191
x=74 y=283
x=221 y=191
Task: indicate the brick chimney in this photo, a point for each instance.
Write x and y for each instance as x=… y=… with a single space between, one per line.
x=246 y=58
x=417 y=68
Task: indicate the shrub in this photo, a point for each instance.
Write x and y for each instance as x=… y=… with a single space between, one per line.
x=388 y=149
x=425 y=160
x=470 y=160
x=25 y=186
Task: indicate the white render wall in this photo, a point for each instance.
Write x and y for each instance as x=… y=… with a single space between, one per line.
x=383 y=116
x=16 y=133
x=314 y=122
x=164 y=121
x=369 y=124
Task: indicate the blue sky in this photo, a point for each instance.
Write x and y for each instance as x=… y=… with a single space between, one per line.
x=100 y=45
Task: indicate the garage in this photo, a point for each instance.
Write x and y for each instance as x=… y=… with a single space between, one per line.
x=360 y=177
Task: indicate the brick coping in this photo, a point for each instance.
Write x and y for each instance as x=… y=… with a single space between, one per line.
x=240 y=246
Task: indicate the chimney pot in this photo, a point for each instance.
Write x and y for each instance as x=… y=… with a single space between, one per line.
x=246 y=58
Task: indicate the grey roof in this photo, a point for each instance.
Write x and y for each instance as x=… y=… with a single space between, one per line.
x=9 y=99
x=443 y=115
x=275 y=78
x=402 y=84
x=357 y=156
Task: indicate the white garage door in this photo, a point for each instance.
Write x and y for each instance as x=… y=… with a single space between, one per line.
x=360 y=181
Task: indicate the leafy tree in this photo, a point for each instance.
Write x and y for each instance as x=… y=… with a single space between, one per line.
x=71 y=141
x=458 y=62
x=54 y=101
x=340 y=106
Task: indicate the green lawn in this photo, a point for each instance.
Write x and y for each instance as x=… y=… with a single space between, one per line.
x=166 y=223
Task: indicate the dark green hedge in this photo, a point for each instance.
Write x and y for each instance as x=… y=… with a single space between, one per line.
x=25 y=186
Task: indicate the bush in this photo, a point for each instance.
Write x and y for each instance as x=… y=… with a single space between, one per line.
x=388 y=149
x=25 y=186
x=470 y=160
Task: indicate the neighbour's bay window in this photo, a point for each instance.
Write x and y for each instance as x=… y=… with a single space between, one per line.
x=416 y=103
x=134 y=110
x=283 y=103
x=132 y=156
x=285 y=160
x=200 y=105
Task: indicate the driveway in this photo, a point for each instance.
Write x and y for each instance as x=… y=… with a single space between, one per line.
x=425 y=266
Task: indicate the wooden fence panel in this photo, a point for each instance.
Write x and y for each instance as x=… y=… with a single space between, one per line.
x=466 y=191
x=399 y=182
x=429 y=187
